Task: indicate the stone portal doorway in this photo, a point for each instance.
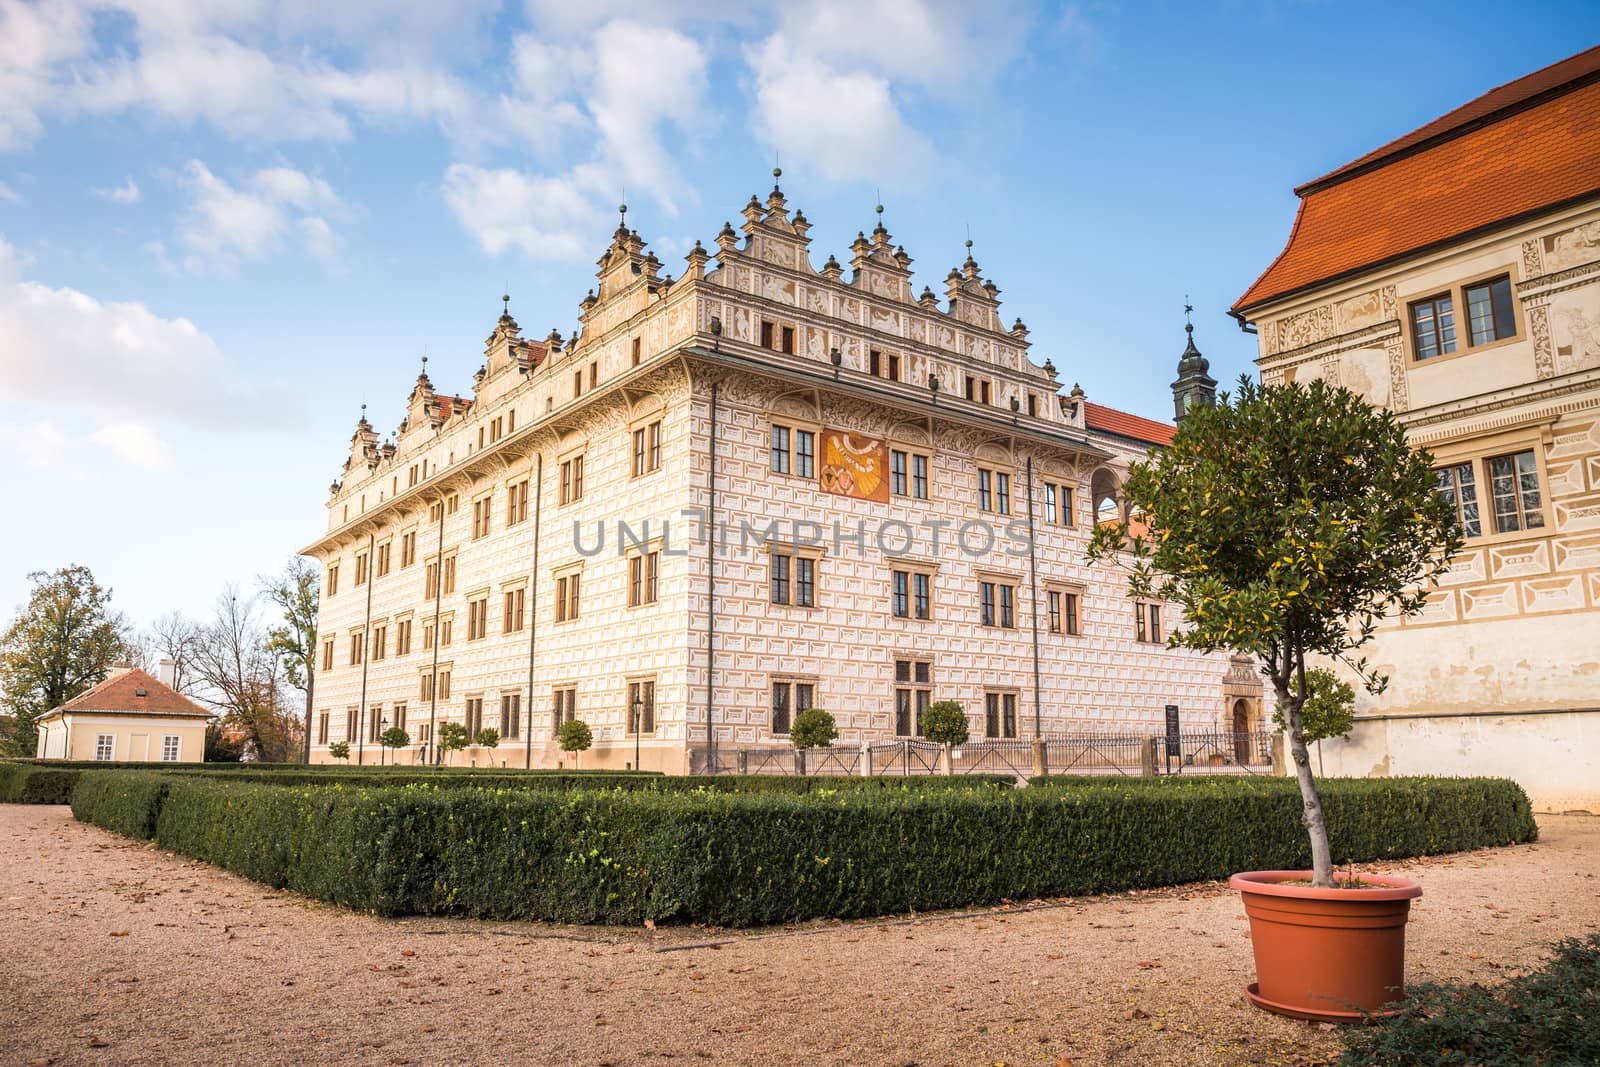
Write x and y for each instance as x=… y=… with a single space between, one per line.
x=1241 y=731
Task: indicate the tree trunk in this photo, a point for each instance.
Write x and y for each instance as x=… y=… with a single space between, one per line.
x=1312 y=818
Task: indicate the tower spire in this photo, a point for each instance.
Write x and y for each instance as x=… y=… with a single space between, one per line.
x=1195 y=387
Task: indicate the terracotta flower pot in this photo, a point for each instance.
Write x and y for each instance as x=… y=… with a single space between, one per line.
x=1334 y=955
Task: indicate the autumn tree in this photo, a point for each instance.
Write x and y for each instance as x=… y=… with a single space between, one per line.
x=1287 y=522
x=239 y=676
x=60 y=644
x=293 y=639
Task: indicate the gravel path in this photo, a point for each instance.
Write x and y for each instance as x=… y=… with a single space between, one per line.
x=120 y=953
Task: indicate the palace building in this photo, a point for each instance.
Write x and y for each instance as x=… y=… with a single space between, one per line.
x=1453 y=276
x=733 y=495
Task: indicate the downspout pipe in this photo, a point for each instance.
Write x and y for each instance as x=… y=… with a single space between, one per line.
x=1033 y=599
x=366 y=640
x=533 y=609
x=711 y=588
x=438 y=604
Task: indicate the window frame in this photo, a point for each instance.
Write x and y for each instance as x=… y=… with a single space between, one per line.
x=1000 y=714
x=638 y=685
x=1479 y=453
x=791 y=452
x=917 y=692
x=1462 y=315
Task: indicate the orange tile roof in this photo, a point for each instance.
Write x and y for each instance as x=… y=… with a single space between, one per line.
x=1110 y=420
x=121 y=693
x=1524 y=147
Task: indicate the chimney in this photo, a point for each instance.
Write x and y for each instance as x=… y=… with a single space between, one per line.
x=167 y=672
x=119 y=668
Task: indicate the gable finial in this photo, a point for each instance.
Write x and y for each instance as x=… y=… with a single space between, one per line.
x=1188 y=309
x=622 y=211
x=505 y=303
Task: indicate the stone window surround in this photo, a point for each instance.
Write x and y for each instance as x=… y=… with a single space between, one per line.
x=1056 y=585
x=930 y=568
x=1484 y=447
x=1457 y=291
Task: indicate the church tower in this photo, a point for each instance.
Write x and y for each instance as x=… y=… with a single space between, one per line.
x=1194 y=386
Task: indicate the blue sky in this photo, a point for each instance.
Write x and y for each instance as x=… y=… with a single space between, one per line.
x=224 y=226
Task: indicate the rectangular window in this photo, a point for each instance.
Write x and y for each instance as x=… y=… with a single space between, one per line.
x=444 y=684
x=912 y=598
x=1147 y=622
x=874 y=365
x=997 y=604
x=1057 y=504
x=402 y=637
x=805 y=453
x=788 y=340
x=327 y=654
x=427 y=636
x=647 y=449
x=642 y=707
x=361 y=568
x=1458 y=486
x=105 y=747
x=788 y=699
x=430 y=580
x=480 y=517
x=322 y=728
x=780 y=451
x=375 y=725
x=902 y=594
x=919 y=477
x=594 y=375
x=380 y=642
x=356 y=649
x=899 y=480
x=567 y=597
x=351 y=715
x=1000 y=715
x=408 y=548
x=510 y=715
x=333 y=578
x=913 y=692
x=1433 y=326
x=1002 y=493
x=515 y=602
x=985 y=490
x=577 y=384
x=805 y=582
x=383 y=559
x=766 y=334
x=449 y=574
x=1062 y=608
x=1489 y=316
x=780 y=578
x=644 y=578
x=474 y=719
x=446 y=628
x=572 y=479
x=477 y=618
x=564 y=705
x=399 y=716
x=636 y=353
x=1514 y=486
x=517 y=503
x=427 y=688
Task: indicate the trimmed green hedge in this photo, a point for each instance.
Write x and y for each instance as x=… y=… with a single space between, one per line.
x=126 y=802
x=737 y=859
x=26 y=783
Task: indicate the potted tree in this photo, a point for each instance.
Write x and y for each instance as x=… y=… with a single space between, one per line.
x=574 y=736
x=452 y=738
x=812 y=728
x=944 y=722
x=1287 y=522
x=394 y=737
x=489 y=738
x=340 y=750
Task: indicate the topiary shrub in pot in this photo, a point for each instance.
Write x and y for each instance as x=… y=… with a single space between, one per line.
x=812 y=728
x=574 y=736
x=1287 y=522
x=944 y=722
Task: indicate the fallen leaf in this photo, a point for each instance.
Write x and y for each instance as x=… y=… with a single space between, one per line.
x=119 y=933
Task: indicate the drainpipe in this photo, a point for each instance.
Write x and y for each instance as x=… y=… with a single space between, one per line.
x=533 y=610
x=711 y=586
x=366 y=638
x=1033 y=600
x=438 y=603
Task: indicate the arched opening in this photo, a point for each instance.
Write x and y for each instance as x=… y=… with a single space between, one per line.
x=1107 y=500
x=1241 y=731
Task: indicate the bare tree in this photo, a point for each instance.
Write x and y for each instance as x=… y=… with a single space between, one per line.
x=238 y=674
x=294 y=640
x=175 y=637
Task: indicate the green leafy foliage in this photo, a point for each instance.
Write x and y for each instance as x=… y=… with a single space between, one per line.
x=1542 y=1017
x=27 y=783
x=944 y=722
x=574 y=735
x=813 y=728
x=488 y=737
x=1329 y=710
x=452 y=737
x=394 y=737
x=580 y=854
x=58 y=645
x=339 y=750
x=1287 y=522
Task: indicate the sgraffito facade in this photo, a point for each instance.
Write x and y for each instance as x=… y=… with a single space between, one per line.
x=753 y=489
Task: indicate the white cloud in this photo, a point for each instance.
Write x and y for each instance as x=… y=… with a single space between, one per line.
x=126 y=193
x=542 y=217
x=137 y=444
x=9 y=194
x=39 y=445
x=845 y=124
x=78 y=357
x=37 y=40
x=268 y=212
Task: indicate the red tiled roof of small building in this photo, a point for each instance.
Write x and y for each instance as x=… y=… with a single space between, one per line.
x=1523 y=147
x=1110 y=420
x=121 y=693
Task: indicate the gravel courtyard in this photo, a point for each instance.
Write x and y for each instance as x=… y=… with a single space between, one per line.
x=119 y=953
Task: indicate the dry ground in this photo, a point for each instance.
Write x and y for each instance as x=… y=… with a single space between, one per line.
x=119 y=953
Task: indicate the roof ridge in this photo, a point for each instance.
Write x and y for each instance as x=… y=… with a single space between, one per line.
x=1522 y=92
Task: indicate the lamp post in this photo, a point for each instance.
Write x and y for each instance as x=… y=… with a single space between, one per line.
x=383 y=749
x=638 y=705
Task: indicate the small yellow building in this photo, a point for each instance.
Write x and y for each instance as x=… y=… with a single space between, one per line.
x=131 y=716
